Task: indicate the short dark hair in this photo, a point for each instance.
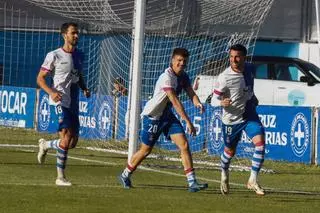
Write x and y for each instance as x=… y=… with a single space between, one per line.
x=239 y=47
x=181 y=51
x=65 y=26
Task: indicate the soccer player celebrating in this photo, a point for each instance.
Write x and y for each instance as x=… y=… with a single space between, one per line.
x=234 y=92
x=157 y=118
x=64 y=65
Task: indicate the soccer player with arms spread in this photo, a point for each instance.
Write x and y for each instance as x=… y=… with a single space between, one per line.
x=64 y=65
x=234 y=92
x=157 y=118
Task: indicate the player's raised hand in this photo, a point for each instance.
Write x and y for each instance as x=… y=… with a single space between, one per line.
x=190 y=129
x=86 y=93
x=226 y=102
x=200 y=107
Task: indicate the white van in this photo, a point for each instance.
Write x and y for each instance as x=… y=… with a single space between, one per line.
x=278 y=81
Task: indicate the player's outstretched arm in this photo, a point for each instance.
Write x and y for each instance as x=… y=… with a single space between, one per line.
x=195 y=99
x=177 y=105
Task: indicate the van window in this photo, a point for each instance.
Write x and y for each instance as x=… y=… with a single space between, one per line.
x=313 y=70
x=295 y=72
x=282 y=72
x=261 y=71
x=287 y=72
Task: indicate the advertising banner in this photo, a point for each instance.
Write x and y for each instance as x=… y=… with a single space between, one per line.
x=121 y=128
x=95 y=116
x=288 y=130
x=288 y=134
x=17 y=105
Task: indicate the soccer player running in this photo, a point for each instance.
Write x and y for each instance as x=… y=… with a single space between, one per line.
x=234 y=92
x=157 y=118
x=64 y=65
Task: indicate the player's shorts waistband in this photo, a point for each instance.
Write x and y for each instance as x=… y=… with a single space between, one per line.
x=151 y=117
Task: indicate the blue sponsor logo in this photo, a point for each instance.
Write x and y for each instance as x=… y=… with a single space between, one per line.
x=300 y=133
x=105 y=119
x=44 y=113
x=215 y=130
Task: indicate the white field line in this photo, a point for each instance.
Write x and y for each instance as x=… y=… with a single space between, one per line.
x=155 y=156
x=18 y=146
x=107 y=163
x=140 y=167
x=54 y=185
x=146 y=169
x=200 y=162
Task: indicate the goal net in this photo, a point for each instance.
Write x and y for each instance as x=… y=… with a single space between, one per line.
x=207 y=28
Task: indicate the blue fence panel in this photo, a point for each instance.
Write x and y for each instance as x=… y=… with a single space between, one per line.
x=17 y=106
